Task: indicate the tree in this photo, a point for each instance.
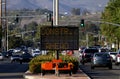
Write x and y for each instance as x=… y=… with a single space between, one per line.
x=15 y=42
x=75 y=11
x=111 y=14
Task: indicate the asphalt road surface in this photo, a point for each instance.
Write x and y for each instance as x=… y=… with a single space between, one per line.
x=12 y=70
x=101 y=72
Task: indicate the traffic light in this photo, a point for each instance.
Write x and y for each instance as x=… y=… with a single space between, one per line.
x=17 y=18
x=82 y=23
x=49 y=17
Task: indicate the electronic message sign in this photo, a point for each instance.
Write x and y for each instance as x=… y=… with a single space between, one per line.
x=59 y=38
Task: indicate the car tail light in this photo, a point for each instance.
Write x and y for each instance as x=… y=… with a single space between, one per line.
x=84 y=54
x=94 y=58
x=118 y=55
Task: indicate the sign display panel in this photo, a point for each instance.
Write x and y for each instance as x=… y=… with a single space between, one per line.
x=59 y=38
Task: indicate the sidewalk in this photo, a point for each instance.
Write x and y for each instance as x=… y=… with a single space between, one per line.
x=79 y=75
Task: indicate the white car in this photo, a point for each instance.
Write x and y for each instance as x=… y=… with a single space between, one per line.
x=1 y=56
x=113 y=55
x=36 y=53
x=117 y=59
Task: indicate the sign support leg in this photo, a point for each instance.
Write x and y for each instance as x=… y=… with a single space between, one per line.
x=56 y=69
x=57 y=55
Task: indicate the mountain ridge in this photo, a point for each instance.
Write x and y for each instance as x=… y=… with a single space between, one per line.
x=64 y=5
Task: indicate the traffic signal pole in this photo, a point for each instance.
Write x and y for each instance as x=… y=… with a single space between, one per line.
x=55 y=18
x=55 y=22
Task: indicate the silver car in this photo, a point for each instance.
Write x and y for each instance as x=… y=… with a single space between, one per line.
x=15 y=58
x=101 y=59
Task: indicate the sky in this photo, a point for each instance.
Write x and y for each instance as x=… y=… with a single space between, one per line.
x=92 y=5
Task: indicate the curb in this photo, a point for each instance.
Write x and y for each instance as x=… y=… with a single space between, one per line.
x=88 y=77
x=79 y=75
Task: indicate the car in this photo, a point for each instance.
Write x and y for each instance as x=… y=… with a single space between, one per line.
x=81 y=48
x=113 y=55
x=117 y=58
x=1 y=56
x=87 y=54
x=5 y=54
x=101 y=59
x=10 y=52
x=15 y=58
x=36 y=53
x=25 y=57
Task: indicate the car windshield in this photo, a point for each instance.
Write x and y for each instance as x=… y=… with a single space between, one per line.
x=119 y=52
x=102 y=55
x=26 y=55
x=15 y=56
x=113 y=53
x=91 y=50
x=36 y=51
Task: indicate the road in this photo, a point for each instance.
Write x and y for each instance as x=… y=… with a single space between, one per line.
x=12 y=70
x=16 y=71
x=101 y=72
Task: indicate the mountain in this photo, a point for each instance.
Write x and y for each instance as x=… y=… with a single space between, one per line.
x=64 y=5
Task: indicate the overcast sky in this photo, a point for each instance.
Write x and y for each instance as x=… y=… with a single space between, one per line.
x=92 y=5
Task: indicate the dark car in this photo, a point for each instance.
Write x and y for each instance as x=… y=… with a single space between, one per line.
x=26 y=57
x=101 y=59
x=5 y=54
x=15 y=58
x=87 y=55
x=10 y=52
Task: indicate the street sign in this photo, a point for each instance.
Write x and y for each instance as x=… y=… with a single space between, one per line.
x=59 y=38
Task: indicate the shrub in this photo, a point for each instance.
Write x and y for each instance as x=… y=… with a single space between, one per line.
x=35 y=67
x=35 y=63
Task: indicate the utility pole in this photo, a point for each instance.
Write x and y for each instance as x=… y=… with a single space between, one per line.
x=3 y=25
x=55 y=12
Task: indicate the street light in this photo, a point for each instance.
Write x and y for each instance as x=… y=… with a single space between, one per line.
x=7 y=40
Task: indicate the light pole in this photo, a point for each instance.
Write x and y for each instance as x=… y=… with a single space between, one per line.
x=53 y=12
x=8 y=23
x=87 y=40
